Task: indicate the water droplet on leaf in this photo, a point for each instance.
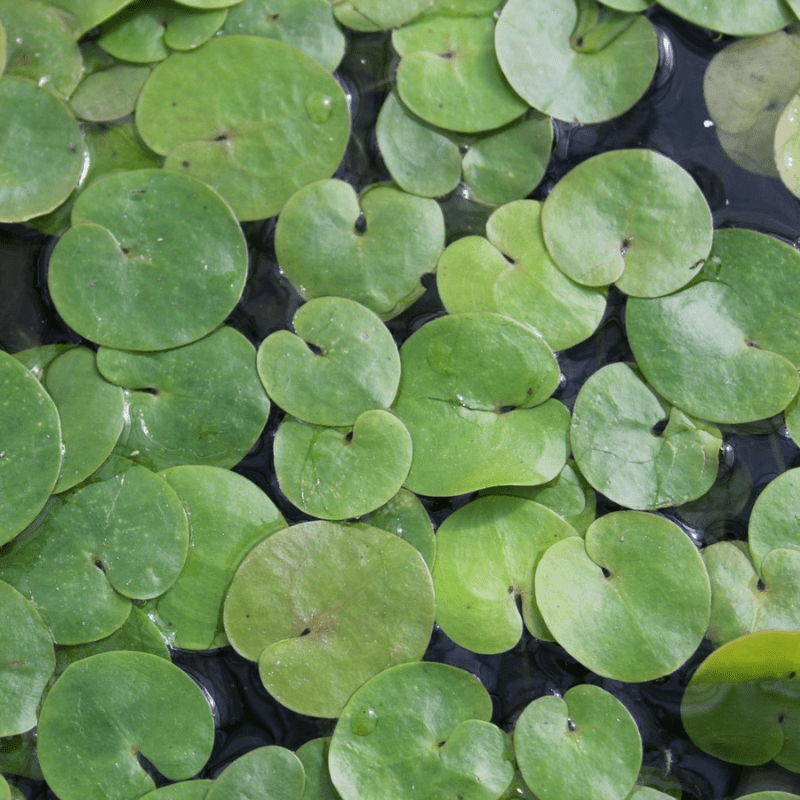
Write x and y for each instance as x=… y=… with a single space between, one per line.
x=318 y=107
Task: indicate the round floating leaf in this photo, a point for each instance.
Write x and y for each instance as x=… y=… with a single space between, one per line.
x=377 y=15
x=620 y=451
x=27 y=661
x=741 y=601
x=645 y=596
x=449 y=76
x=741 y=704
x=40 y=131
x=580 y=84
x=306 y=24
x=292 y=607
x=746 y=86
x=646 y=793
x=41 y=45
x=228 y=515
x=335 y=473
x=464 y=8
x=144 y=33
x=584 y=746
x=629 y=5
x=30 y=446
x=405 y=516
x=373 y=250
x=137 y=633
x=699 y=349
x=628 y=205
x=269 y=121
x=186 y=790
x=273 y=772
x=734 y=17
x=107 y=709
x=110 y=93
x=89 y=14
x=198 y=404
x=342 y=362
x=122 y=536
x=787 y=145
x=314 y=757
x=473 y=395
x=773 y=521
x=420 y=159
x=511 y=272
x=569 y=495
x=91 y=411
x=487 y=553
x=153 y=260
x=208 y=3
x=507 y=165
x=423 y=724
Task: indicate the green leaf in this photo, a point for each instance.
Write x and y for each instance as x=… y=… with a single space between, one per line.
x=376 y=247
x=110 y=93
x=105 y=710
x=228 y=516
x=291 y=607
x=27 y=661
x=584 y=746
x=510 y=272
x=41 y=130
x=419 y=725
x=41 y=45
x=269 y=121
x=487 y=552
x=473 y=395
x=30 y=458
x=186 y=790
x=535 y=54
x=342 y=362
x=741 y=704
x=619 y=200
x=273 y=772
x=773 y=520
x=205 y=404
x=89 y=14
x=314 y=757
x=621 y=453
x=449 y=76
x=734 y=17
x=645 y=596
x=307 y=24
x=154 y=260
x=376 y=15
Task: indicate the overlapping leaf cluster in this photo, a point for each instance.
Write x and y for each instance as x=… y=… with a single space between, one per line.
x=125 y=529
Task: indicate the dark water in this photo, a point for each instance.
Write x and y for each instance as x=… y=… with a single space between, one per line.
x=672 y=119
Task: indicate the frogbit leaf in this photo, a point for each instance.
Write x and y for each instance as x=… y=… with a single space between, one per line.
x=314 y=757
x=373 y=249
x=342 y=362
x=334 y=473
x=292 y=607
x=110 y=93
x=773 y=520
x=584 y=746
x=423 y=724
x=273 y=772
x=645 y=596
x=734 y=17
x=619 y=451
x=377 y=15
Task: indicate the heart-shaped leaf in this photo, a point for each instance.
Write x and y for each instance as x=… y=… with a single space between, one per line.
x=270 y=120
x=314 y=757
x=273 y=772
x=473 y=395
x=742 y=703
x=511 y=272
x=449 y=76
x=575 y=83
x=487 y=552
x=202 y=403
x=773 y=521
x=645 y=596
x=787 y=145
x=584 y=746
x=110 y=93
x=342 y=362
x=373 y=250
x=30 y=446
x=423 y=724
x=376 y=15
x=27 y=661
x=734 y=17
x=227 y=515
x=89 y=14
x=186 y=790
x=619 y=450
x=620 y=200
x=107 y=709
x=333 y=473
x=292 y=607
